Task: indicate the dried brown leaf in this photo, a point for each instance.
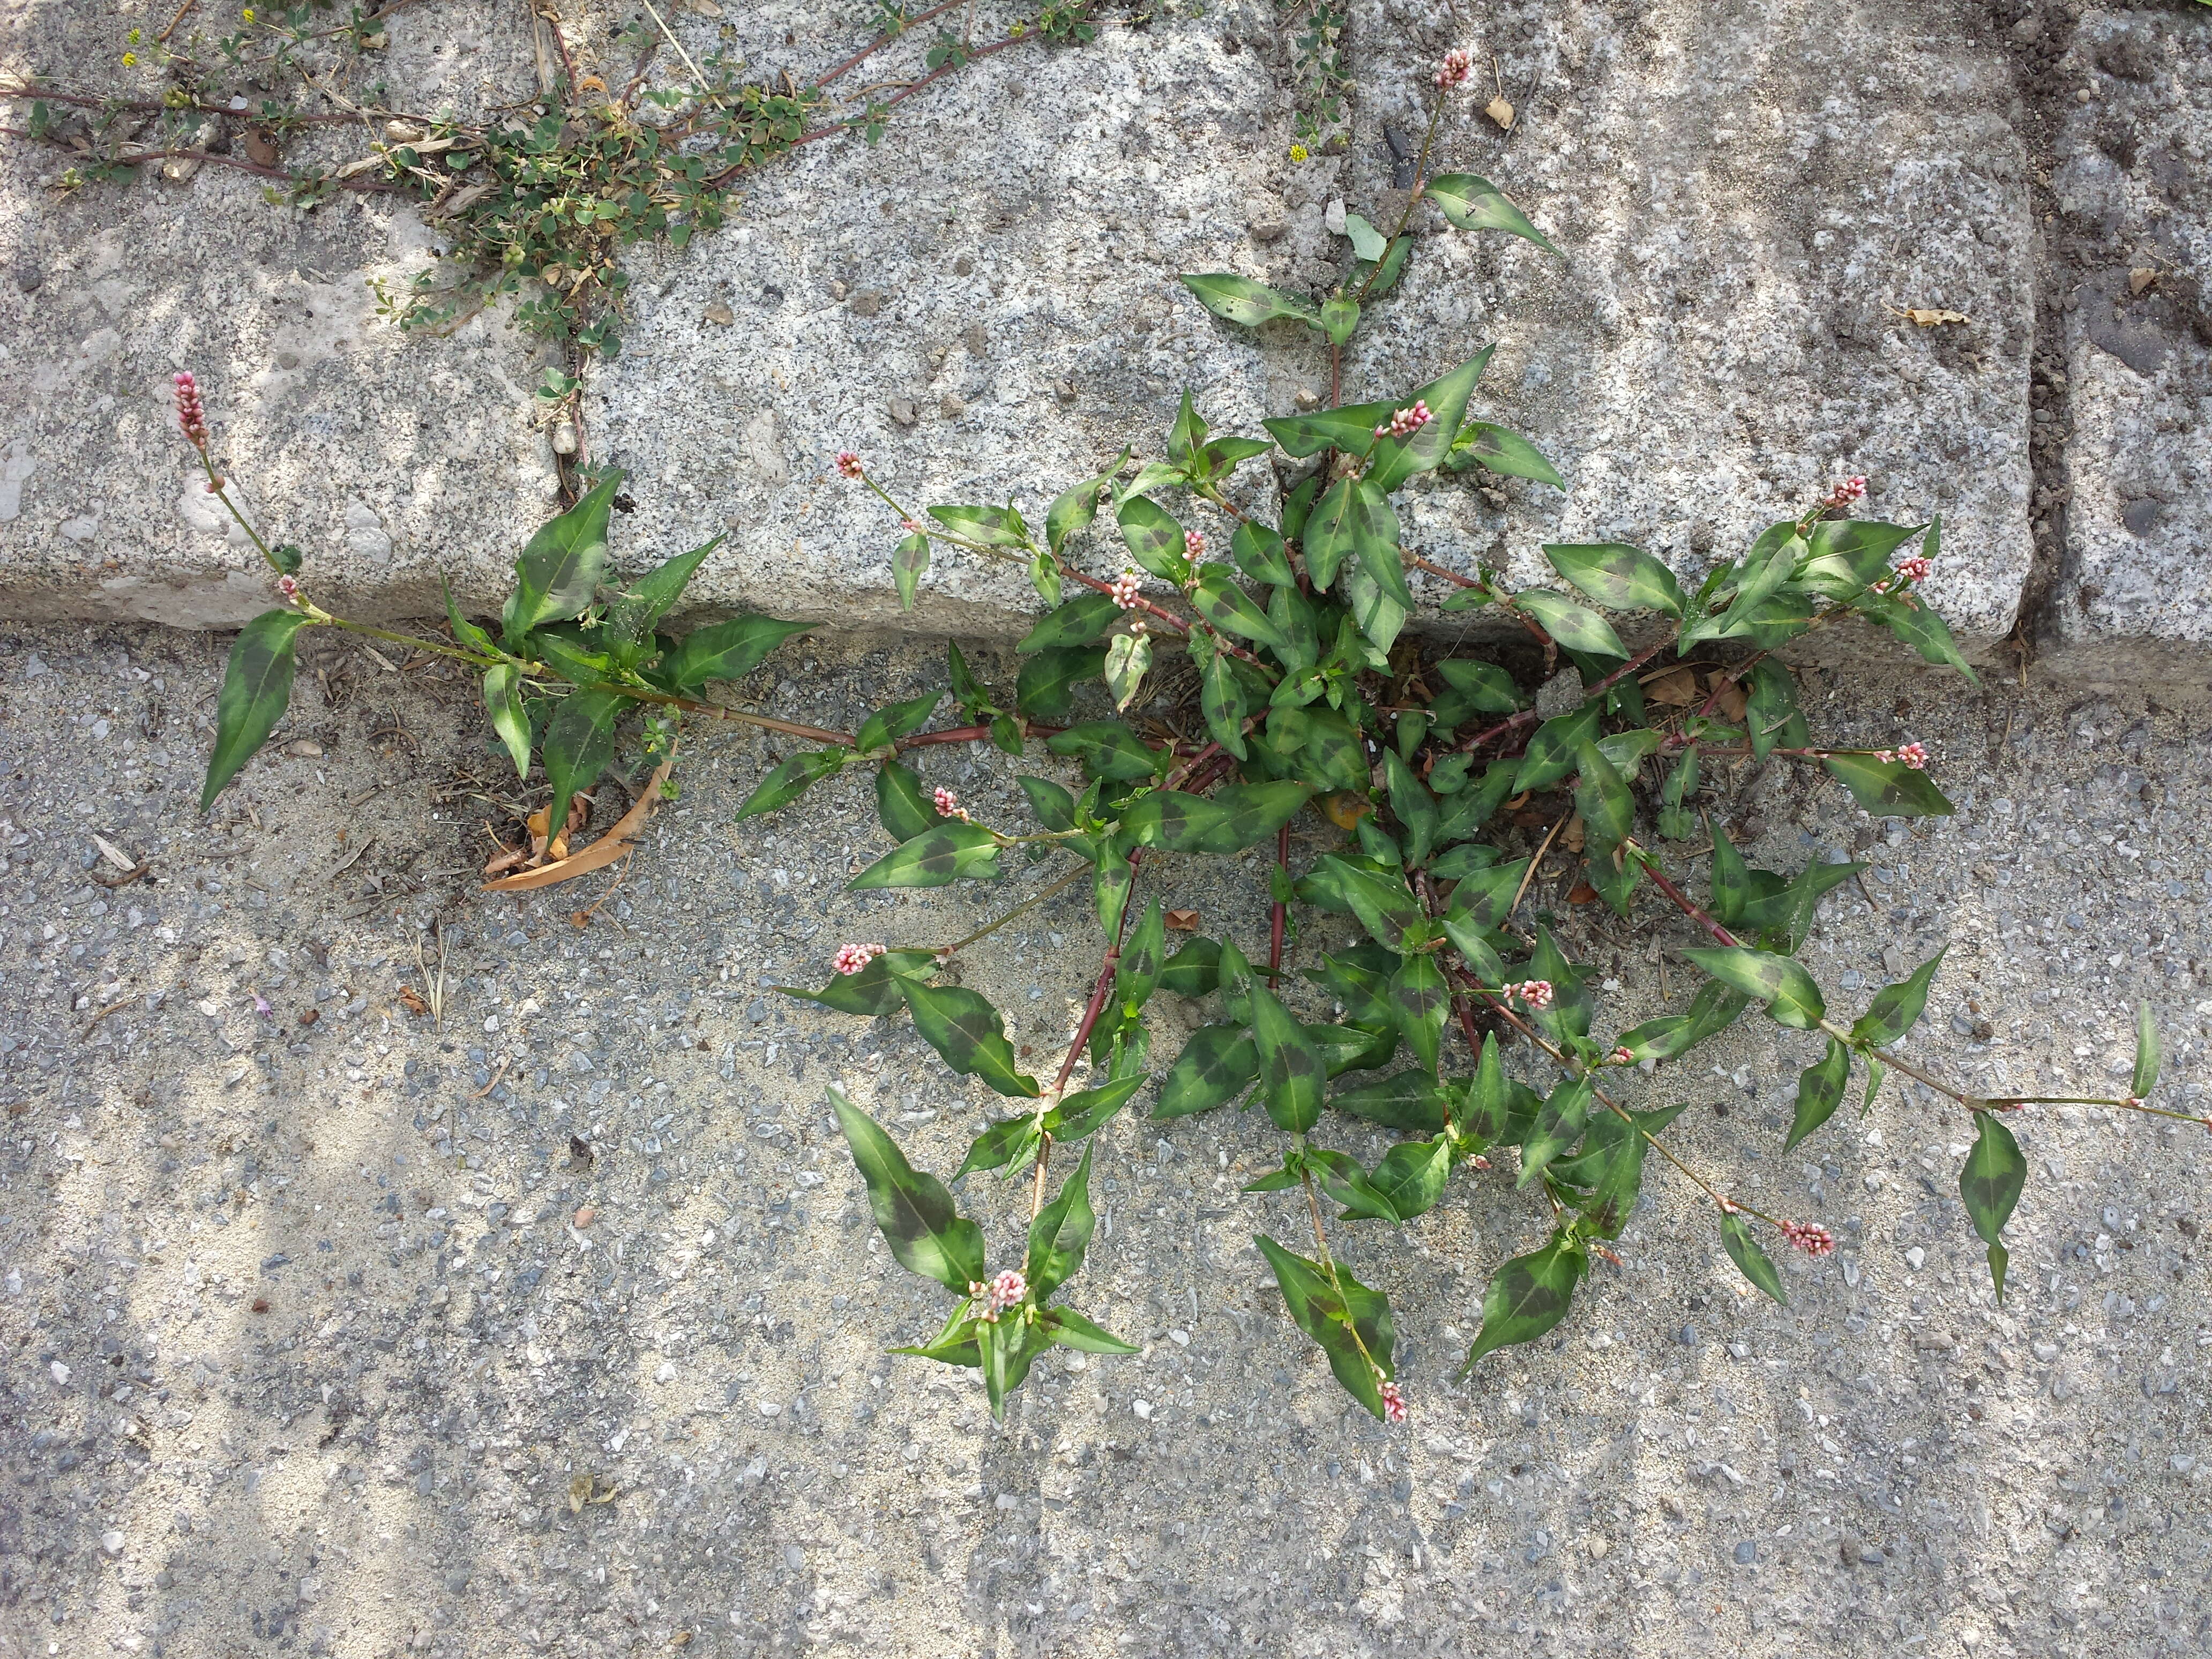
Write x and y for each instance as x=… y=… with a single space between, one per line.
x=601 y=854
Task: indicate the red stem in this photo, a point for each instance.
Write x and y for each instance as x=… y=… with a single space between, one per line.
x=1683 y=901
x=1276 y=914
x=1604 y=685
x=883 y=40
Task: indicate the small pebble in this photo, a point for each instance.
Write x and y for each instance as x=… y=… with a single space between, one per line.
x=588 y=1215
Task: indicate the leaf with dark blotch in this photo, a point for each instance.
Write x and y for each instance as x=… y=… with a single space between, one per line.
x=1915 y=622
x=961 y=1025
x=502 y=697
x=1060 y=1233
x=1217 y=1064
x=1231 y=610
x=1089 y=1110
x=580 y=740
x=1346 y=1048
x=1240 y=300
x=1552 y=749
x=1111 y=883
x=1054 y=805
x=1560 y=1123
x=1786 y=917
x=1609 y=811
x=1410 y=1101
x=1221 y=699
x=1072 y=1330
x=1498 y=1109
x=1791 y=997
x=1572 y=1008
x=901 y=804
x=1072 y=509
x=1398 y=459
x=1193 y=970
x=1259 y=554
x=1109 y=749
x=1412 y=1175
x=1385 y=905
x=1743 y=1250
x=1820 y=1091
x=951 y=852
x=1475 y=203
x=1575 y=627
x=1138 y=970
x=1421 y=999
x=1989 y=1185
x=909 y=563
x=1046 y=687
x=1888 y=788
x=1082 y=620
x=725 y=650
x=1154 y=540
x=1500 y=450
x=1349 y=428
x=1331 y=532
x=558 y=572
x=915 y=1213
x=791 y=779
x=1488 y=688
x=1340 y=1177
x=1672 y=1036
x=1608 y=1170
x=1292 y=1071
x=631 y=618
x=2145 y=1075
x=1227 y=821
x=1413 y=806
x=1000 y=1144
x=1770 y=710
x=1618 y=576
x=871 y=992
x=257 y=688
x=1350 y=1322
x=1527 y=1297
x=993 y=526
x=1896 y=1008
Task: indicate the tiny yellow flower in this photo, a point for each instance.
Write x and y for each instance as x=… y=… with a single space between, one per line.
x=132 y=38
x=131 y=60
x=1299 y=153
x=247 y=13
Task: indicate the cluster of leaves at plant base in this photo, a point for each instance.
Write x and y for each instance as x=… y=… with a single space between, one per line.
x=574 y=650
x=1318 y=713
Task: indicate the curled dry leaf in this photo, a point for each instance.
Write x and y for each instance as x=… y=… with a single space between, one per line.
x=1675 y=689
x=1183 y=922
x=601 y=854
x=2142 y=277
x=1729 y=700
x=412 y=1001
x=1500 y=112
x=1929 y=319
x=1571 y=836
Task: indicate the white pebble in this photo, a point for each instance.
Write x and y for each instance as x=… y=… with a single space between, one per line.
x=1143 y=1408
x=111 y=1541
x=61 y=1372
x=1917 y=1257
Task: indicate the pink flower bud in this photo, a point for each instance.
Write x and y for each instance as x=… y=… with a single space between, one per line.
x=1623 y=1057
x=192 y=416
x=1914 y=569
x=1394 y=1404
x=1007 y=1290
x=287 y=586
x=1914 y=756
x=910 y=526
x=849 y=463
x=1458 y=64
x=1536 y=993
x=1813 y=1239
x=946 y=802
x=1125 y=589
x=1196 y=543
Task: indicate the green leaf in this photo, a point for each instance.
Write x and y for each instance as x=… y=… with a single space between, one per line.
x=1072 y=1330
x=1474 y=203
x=1989 y=1185
x=725 y=650
x=1379 y=615
x=466 y=633
x=1229 y=608
x=1488 y=688
x=1820 y=1091
x=1619 y=577
x=1500 y=450
x=1555 y=746
x=993 y=526
x=1155 y=541
x=1000 y=1144
x=1193 y=970
x=1232 y=819
x=1331 y=538
x=2147 y=1053
x=1089 y=1110
x=1044 y=576
x=1240 y=300
x=1875 y=1072
x=895 y=720
x=1108 y=750
x=1421 y=999
x=560 y=570
x=1080 y=620
x=873 y=991
x=1575 y=627
x=1412 y=1101
x=1412 y=805
x=1384 y=276
x=1601 y=796
x=1009 y=1346
x=1770 y=710
x=1060 y=1233
x=257 y=688
x=952 y=851
x=1260 y=554
x=957 y=1344
x=503 y=697
x=1350 y=1322
x=1527 y=1297
x=900 y=803
x=1046 y=689
x=1053 y=807
x=915 y=1213
x=1498 y=1109
x=1128 y=656
x=561 y=646
x=1340 y=1177
x=1111 y=883
x=580 y=740
x=1339 y=317
x=1915 y=621
x=791 y=779
x=1367 y=242
x=1349 y=428
x=1218 y=1063
x=910 y=563
x=1397 y=459
x=1743 y=1250
x=1138 y=970
x=1572 y=1008
x=1791 y=997
x=1888 y=788
x=1187 y=436
x=1896 y=1008
x=1559 y=1124
x=1221 y=699
x=1291 y=1072
x=1385 y=905
x=963 y=1026
x=1072 y=509
x=631 y=618
x=1412 y=1175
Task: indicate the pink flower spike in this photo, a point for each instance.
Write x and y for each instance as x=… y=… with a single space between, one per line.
x=1410 y=419
x=1458 y=64
x=1536 y=993
x=910 y=526
x=1809 y=1238
x=1005 y=1291
x=946 y=802
x=1196 y=543
x=1623 y=1057
x=289 y=586
x=192 y=416
x=849 y=463
x=1914 y=569
x=1394 y=1404
x=1914 y=756
x=850 y=959
x=1125 y=589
